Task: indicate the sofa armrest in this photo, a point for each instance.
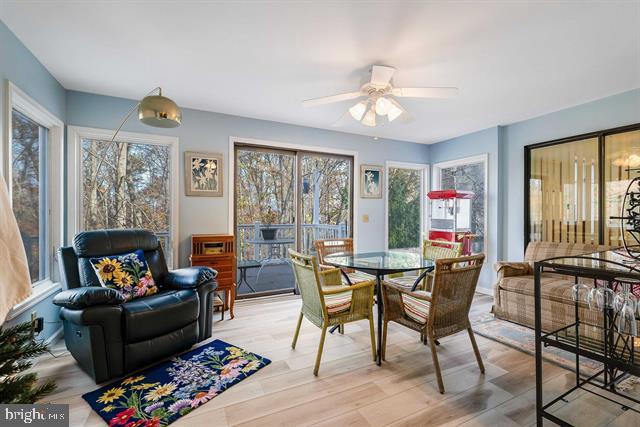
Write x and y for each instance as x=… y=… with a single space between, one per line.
x=88 y=296
x=508 y=269
x=190 y=277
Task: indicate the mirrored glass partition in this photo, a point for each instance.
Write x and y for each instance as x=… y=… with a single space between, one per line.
x=575 y=185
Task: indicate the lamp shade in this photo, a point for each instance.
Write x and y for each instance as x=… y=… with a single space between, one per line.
x=159 y=111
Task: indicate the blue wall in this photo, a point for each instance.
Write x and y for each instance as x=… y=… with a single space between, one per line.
x=20 y=67
x=206 y=131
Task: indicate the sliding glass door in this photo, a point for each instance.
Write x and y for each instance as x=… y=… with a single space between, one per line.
x=286 y=199
x=406 y=196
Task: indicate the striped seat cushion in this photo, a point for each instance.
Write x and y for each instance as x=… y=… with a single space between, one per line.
x=416 y=308
x=358 y=277
x=338 y=303
x=408 y=281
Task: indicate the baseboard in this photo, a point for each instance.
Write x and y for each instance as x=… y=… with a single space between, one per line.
x=55 y=336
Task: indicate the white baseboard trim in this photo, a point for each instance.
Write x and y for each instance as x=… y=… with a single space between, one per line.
x=55 y=336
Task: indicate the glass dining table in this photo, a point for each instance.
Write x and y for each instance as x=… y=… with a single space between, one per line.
x=379 y=264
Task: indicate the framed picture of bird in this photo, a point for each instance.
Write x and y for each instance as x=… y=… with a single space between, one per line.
x=203 y=174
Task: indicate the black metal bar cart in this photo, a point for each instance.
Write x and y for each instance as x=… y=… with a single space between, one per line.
x=617 y=354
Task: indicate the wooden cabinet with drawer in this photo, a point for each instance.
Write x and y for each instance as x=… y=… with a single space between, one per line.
x=218 y=252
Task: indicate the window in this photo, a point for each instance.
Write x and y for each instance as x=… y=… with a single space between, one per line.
x=406 y=198
x=128 y=183
x=32 y=164
x=468 y=174
x=29 y=189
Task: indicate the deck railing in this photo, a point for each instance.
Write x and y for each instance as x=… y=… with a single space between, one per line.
x=246 y=233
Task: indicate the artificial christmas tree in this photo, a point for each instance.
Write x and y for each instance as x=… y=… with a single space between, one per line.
x=17 y=348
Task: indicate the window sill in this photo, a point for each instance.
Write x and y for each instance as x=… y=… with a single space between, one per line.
x=40 y=292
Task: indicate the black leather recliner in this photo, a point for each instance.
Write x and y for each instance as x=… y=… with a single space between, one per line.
x=109 y=337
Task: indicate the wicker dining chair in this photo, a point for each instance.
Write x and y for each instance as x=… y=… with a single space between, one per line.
x=327 y=302
x=440 y=313
x=328 y=247
x=431 y=249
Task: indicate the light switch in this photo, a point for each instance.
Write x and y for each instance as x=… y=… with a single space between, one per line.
x=365 y=218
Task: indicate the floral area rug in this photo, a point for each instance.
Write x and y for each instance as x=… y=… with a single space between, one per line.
x=523 y=339
x=159 y=395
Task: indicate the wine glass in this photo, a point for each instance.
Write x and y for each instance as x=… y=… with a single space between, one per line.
x=577 y=289
x=604 y=297
x=627 y=324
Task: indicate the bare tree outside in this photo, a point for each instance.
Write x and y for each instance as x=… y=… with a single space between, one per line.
x=28 y=145
x=126 y=185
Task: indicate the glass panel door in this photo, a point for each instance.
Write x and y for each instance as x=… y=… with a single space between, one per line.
x=325 y=195
x=563 y=192
x=265 y=206
x=622 y=151
x=405 y=201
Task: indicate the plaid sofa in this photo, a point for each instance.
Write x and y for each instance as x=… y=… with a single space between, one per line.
x=514 y=291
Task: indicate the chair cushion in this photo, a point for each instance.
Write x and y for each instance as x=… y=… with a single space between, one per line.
x=338 y=302
x=553 y=287
x=159 y=314
x=408 y=281
x=417 y=309
x=358 y=277
x=127 y=273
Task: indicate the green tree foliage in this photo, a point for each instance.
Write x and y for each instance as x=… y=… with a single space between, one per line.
x=17 y=348
x=404 y=208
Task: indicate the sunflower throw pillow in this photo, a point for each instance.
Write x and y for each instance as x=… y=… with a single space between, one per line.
x=127 y=273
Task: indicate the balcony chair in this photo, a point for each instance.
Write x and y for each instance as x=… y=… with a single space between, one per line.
x=109 y=337
x=328 y=247
x=440 y=313
x=327 y=302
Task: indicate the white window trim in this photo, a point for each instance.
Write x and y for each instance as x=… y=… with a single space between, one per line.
x=233 y=140
x=424 y=186
x=74 y=139
x=17 y=99
x=482 y=158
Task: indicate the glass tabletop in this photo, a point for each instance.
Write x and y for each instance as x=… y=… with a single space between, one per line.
x=611 y=262
x=380 y=262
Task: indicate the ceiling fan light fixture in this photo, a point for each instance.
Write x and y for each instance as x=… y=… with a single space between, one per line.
x=383 y=105
x=357 y=111
x=394 y=112
x=369 y=118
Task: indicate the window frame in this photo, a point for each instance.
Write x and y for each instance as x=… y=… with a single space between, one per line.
x=424 y=187
x=75 y=134
x=17 y=99
x=481 y=158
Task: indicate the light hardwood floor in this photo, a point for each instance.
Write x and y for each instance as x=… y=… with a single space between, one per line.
x=350 y=389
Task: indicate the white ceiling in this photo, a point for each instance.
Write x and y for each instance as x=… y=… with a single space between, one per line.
x=511 y=60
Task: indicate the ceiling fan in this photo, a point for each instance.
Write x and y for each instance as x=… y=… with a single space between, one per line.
x=380 y=97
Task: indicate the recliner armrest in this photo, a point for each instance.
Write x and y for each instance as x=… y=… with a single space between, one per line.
x=190 y=277
x=88 y=296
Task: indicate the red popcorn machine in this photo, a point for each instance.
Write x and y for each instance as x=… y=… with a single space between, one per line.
x=451 y=217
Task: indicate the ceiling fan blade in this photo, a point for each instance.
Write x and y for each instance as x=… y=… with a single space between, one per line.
x=425 y=92
x=341 y=120
x=381 y=75
x=330 y=99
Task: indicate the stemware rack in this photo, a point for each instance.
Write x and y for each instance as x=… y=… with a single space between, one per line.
x=618 y=355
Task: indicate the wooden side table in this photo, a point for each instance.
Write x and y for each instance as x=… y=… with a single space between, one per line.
x=218 y=252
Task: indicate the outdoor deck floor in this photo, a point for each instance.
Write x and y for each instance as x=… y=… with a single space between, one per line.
x=272 y=277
